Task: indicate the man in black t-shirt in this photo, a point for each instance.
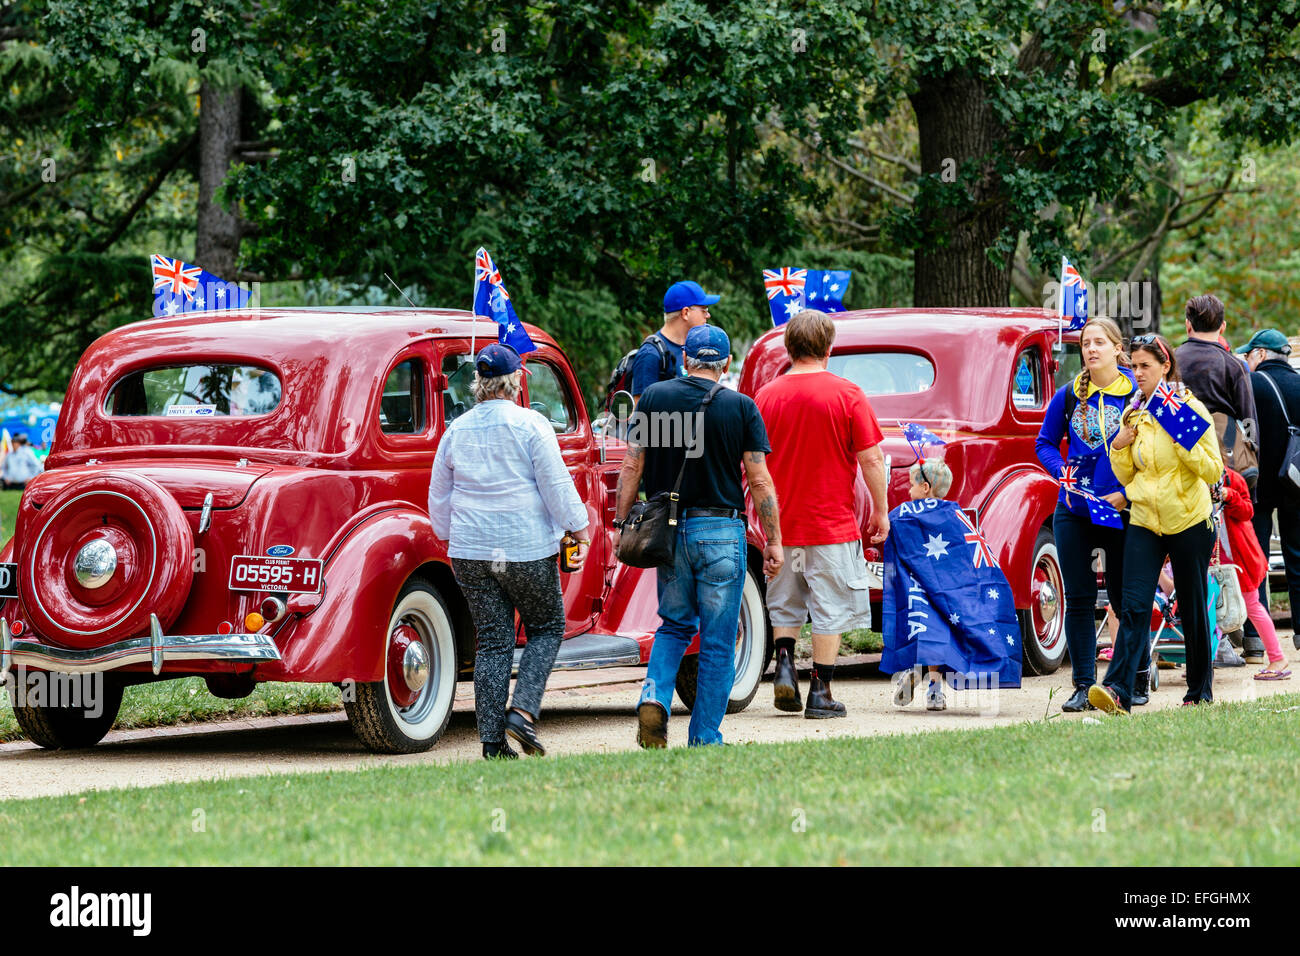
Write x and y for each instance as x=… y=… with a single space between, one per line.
x=702 y=592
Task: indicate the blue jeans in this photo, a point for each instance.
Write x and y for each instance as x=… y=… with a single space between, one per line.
x=701 y=594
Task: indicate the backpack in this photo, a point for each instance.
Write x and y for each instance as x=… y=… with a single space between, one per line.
x=621 y=378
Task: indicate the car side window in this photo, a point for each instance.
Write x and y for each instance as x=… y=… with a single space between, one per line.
x=458 y=396
x=1027 y=379
x=1069 y=363
x=401 y=408
x=547 y=395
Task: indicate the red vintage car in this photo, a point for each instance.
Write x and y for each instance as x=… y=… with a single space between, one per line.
x=980 y=379
x=242 y=496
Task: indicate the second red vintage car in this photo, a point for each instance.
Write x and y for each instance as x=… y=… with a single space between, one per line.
x=980 y=379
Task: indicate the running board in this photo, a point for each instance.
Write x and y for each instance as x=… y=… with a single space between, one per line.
x=592 y=651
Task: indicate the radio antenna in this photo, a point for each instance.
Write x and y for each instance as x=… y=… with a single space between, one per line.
x=399 y=289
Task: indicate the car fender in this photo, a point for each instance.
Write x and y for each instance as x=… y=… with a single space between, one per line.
x=1009 y=517
x=342 y=637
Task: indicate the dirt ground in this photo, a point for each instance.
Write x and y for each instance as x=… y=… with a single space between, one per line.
x=576 y=719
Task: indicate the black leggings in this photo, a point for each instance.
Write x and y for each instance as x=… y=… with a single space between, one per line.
x=1076 y=539
x=1189 y=555
x=494 y=590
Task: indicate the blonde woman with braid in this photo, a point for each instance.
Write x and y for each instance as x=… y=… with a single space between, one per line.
x=1087 y=412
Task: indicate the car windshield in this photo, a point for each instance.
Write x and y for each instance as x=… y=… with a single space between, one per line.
x=885 y=373
x=196 y=391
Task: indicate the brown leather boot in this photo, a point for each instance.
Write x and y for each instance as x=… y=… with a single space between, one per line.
x=785 y=683
x=820 y=702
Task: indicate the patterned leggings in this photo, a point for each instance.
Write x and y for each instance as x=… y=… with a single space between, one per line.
x=494 y=590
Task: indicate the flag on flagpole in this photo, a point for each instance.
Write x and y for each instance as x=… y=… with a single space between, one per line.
x=180 y=287
x=492 y=300
x=1074 y=296
x=790 y=291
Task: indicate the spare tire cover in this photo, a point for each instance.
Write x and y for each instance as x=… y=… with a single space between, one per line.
x=137 y=531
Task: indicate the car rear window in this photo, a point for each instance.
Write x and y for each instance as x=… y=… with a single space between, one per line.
x=884 y=373
x=196 y=391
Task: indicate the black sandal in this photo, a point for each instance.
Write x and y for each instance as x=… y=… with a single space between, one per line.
x=521 y=728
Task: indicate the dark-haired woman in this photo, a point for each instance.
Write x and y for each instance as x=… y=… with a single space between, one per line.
x=1169 y=487
x=1087 y=410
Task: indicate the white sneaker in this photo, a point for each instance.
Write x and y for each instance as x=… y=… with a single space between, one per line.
x=904 y=687
x=934 y=699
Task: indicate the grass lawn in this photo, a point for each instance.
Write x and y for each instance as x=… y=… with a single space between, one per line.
x=8 y=511
x=173 y=701
x=1211 y=785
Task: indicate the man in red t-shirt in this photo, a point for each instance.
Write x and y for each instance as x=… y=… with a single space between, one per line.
x=822 y=429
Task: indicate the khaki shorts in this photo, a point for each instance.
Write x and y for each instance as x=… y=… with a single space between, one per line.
x=825 y=582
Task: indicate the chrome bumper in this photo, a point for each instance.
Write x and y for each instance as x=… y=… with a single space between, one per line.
x=155 y=650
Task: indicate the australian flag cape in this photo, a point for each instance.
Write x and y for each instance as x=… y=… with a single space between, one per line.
x=946 y=601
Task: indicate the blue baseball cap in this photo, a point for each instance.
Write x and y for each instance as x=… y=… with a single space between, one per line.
x=707 y=343
x=683 y=294
x=498 y=359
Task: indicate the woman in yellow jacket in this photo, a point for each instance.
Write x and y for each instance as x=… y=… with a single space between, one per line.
x=1169 y=490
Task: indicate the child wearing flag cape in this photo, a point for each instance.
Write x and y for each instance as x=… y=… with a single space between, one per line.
x=1167 y=457
x=946 y=608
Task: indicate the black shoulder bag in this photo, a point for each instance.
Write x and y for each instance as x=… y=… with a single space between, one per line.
x=1289 y=473
x=649 y=538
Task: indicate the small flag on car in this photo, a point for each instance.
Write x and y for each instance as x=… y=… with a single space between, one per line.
x=181 y=287
x=790 y=291
x=1074 y=296
x=492 y=300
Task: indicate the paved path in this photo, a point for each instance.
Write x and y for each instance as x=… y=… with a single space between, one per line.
x=585 y=712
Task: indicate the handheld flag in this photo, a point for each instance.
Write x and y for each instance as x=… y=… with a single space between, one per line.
x=790 y=291
x=1074 y=296
x=1077 y=478
x=492 y=300
x=181 y=287
x=944 y=605
x=919 y=437
x=1179 y=419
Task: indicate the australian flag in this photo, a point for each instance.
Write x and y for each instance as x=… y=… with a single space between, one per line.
x=1179 y=419
x=946 y=601
x=918 y=436
x=1077 y=477
x=180 y=287
x=492 y=300
x=1074 y=295
x=790 y=291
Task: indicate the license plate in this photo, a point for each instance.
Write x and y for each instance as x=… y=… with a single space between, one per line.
x=8 y=581
x=255 y=572
x=877 y=570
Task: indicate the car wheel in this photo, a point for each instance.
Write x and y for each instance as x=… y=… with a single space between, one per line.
x=69 y=728
x=753 y=652
x=408 y=710
x=1042 y=632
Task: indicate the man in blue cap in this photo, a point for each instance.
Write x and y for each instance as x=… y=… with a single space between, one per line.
x=701 y=593
x=686 y=306
x=1277 y=400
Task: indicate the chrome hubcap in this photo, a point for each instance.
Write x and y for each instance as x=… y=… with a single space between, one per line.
x=415 y=666
x=95 y=564
x=1047 y=601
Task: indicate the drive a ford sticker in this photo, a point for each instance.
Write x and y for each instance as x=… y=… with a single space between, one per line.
x=189 y=411
x=280 y=550
x=8 y=580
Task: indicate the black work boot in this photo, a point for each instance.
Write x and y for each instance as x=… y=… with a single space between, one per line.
x=785 y=685
x=820 y=702
x=1140 y=684
x=1078 y=702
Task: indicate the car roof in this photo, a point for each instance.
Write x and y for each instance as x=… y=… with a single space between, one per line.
x=283 y=328
x=868 y=326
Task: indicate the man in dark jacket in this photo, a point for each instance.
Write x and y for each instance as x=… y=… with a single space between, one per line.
x=1273 y=378
x=1210 y=371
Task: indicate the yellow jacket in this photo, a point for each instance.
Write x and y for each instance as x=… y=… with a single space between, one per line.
x=1167 y=484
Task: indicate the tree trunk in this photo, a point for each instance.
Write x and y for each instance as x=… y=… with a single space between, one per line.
x=961 y=218
x=217 y=243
